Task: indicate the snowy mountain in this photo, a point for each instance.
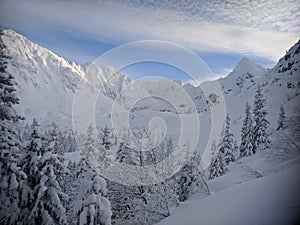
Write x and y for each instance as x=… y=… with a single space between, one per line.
x=262 y=188
x=52 y=89
x=47 y=85
x=47 y=81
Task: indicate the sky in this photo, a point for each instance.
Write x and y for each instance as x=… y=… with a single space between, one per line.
x=219 y=32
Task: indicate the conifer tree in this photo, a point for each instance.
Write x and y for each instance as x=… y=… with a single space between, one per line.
x=226 y=146
x=48 y=208
x=55 y=145
x=247 y=139
x=89 y=145
x=91 y=206
x=125 y=154
x=10 y=173
x=218 y=166
x=30 y=165
x=106 y=138
x=41 y=193
x=189 y=179
x=261 y=139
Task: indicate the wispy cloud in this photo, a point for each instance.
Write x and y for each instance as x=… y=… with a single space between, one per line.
x=223 y=72
x=264 y=29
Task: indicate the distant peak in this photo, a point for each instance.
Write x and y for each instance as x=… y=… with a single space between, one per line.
x=245 y=66
x=246 y=61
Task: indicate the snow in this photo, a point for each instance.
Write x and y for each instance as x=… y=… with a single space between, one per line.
x=258 y=189
x=48 y=85
x=263 y=188
x=267 y=200
x=73 y=156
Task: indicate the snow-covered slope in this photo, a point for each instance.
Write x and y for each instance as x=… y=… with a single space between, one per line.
x=260 y=189
x=47 y=85
x=268 y=200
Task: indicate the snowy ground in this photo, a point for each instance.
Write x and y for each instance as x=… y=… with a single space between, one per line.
x=261 y=189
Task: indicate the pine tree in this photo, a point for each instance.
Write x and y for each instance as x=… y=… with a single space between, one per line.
x=71 y=184
x=45 y=202
x=106 y=138
x=261 y=139
x=247 y=139
x=71 y=143
x=48 y=208
x=226 y=147
x=55 y=137
x=30 y=165
x=10 y=173
x=55 y=145
x=218 y=166
x=89 y=148
x=281 y=119
x=91 y=206
x=189 y=179
x=184 y=182
x=125 y=154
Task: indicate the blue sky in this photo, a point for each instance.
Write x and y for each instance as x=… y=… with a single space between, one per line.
x=220 y=32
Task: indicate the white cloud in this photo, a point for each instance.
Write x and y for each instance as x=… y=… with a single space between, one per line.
x=214 y=76
x=222 y=72
x=239 y=30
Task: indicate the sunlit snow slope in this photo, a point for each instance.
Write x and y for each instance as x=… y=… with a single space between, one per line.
x=47 y=85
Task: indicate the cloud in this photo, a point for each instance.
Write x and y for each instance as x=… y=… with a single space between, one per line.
x=222 y=72
x=230 y=28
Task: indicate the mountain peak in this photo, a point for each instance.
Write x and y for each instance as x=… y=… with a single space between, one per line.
x=246 y=63
x=246 y=66
x=245 y=60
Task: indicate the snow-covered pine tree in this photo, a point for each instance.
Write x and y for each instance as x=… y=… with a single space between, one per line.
x=10 y=173
x=218 y=166
x=48 y=208
x=125 y=154
x=30 y=165
x=184 y=182
x=106 y=138
x=91 y=206
x=55 y=145
x=247 y=139
x=261 y=137
x=281 y=119
x=89 y=145
x=56 y=137
x=71 y=142
x=226 y=147
x=71 y=191
x=189 y=179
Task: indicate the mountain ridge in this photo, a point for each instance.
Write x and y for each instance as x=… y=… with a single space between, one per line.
x=47 y=81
